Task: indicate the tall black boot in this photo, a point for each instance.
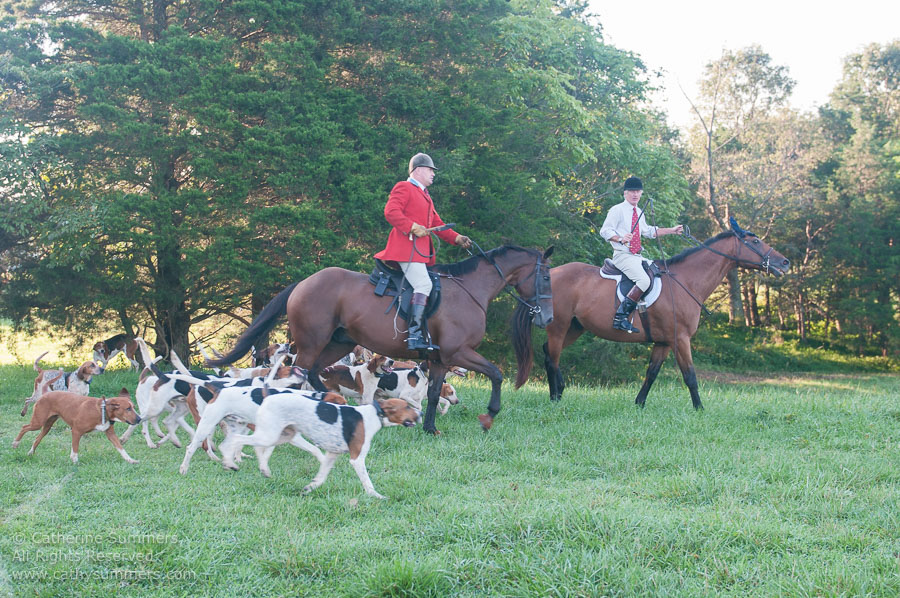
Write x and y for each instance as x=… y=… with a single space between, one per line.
x=415 y=340
x=626 y=308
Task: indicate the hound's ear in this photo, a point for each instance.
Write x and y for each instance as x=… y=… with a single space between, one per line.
x=124 y=392
x=549 y=251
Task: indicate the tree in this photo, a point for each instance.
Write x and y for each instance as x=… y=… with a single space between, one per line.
x=736 y=92
x=185 y=161
x=863 y=183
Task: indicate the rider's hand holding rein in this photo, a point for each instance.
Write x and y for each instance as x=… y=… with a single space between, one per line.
x=418 y=230
x=463 y=241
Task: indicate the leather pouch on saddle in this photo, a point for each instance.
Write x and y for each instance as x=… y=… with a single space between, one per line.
x=625 y=284
x=390 y=281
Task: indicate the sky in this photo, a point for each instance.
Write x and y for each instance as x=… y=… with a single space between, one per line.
x=810 y=38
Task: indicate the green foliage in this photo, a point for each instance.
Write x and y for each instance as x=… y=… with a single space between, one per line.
x=169 y=167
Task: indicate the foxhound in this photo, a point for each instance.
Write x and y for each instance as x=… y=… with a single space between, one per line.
x=334 y=429
x=77 y=382
x=83 y=414
x=104 y=351
x=357 y=381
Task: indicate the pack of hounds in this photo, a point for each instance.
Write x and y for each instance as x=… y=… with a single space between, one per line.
x=276 y=401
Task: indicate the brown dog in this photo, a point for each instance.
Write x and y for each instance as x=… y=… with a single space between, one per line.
x=83 y=414
x=77 y=382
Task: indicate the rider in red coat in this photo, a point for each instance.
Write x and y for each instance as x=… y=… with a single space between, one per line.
x=411 y=212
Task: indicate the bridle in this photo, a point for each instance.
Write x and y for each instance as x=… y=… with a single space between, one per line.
x=740 y=237
x=541 y=272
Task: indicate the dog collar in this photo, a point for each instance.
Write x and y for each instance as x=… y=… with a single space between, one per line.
x=103 y=411
x=378 y=410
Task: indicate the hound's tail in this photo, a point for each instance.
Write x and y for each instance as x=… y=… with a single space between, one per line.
x=145 y=352
x=37 y=359
x=166 y=376
x=262 y=325
x=177 y=363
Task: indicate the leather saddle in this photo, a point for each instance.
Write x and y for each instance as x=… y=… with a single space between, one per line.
x=389 y=280
x=626 y=283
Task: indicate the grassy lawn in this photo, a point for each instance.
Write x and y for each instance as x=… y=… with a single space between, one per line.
x=782 y=486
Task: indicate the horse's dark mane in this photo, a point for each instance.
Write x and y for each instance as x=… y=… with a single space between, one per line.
x=691 y=250
x=470 y=264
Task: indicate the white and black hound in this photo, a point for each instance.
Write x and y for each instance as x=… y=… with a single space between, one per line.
x=234 y=404
x=335 y=429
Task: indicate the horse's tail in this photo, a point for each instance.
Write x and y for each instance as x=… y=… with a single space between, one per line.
x=521 y=333
x=261 y=325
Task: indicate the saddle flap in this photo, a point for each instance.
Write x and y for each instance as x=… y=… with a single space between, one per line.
x=390 y=281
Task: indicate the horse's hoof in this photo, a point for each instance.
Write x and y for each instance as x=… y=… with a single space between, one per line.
x=555 y=399
x=433 y=431
x=486 y=421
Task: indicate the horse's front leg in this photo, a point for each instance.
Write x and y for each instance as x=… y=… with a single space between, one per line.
x=436 y=374
x=471 y=360
x=686 y=363
x=657 y=357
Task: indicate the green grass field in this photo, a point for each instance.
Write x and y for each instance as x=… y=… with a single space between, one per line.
x=782 y=486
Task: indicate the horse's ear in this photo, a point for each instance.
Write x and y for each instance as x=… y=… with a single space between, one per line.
x=549 y=252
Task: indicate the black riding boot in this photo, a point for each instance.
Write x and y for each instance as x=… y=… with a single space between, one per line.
x=415 y=340
x=626 y=308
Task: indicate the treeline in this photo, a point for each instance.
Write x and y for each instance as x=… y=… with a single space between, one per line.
x=167 y=165
x=823 y=188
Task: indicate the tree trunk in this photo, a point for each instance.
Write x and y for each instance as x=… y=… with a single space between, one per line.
x=801 y=316
x=735 y=306
x=171 y=305
x=257 y=302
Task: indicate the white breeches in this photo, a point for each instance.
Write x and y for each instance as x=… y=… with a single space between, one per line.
x=417 y=275
x=630 y=264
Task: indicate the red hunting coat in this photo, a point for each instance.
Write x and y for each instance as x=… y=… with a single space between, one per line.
x=408 y=204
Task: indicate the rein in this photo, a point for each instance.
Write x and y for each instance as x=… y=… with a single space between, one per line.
x=533 y=310
x=739 y=236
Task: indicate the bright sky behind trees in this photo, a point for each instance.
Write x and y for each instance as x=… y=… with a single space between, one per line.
x=810 y=38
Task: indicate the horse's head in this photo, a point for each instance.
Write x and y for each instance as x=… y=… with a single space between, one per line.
x=532 y=282
x=753 y=252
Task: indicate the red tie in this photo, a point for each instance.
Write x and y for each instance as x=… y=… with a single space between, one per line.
x=635 y=245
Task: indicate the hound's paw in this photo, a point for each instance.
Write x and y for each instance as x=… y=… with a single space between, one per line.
x=183 y=469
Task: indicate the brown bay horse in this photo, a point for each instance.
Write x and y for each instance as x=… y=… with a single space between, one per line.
x=584 y=301
x=335 y=309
